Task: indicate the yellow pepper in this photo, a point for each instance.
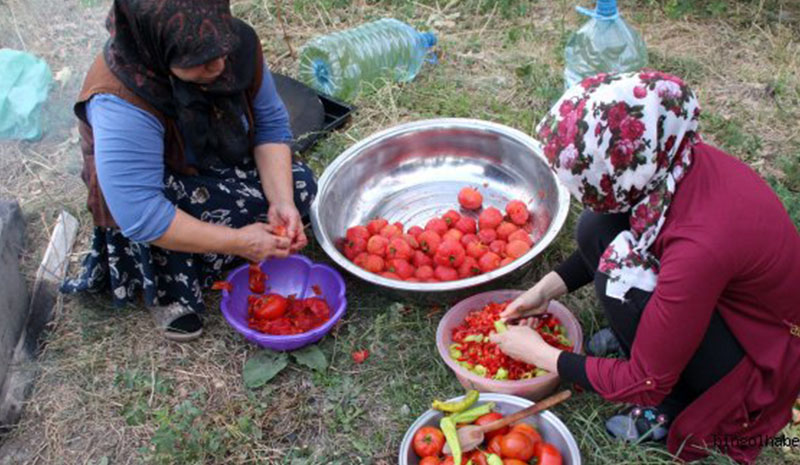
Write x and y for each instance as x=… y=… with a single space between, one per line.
x=459 y=405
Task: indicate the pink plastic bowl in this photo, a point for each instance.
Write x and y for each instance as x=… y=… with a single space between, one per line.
x=534 y=388
x=297 y=275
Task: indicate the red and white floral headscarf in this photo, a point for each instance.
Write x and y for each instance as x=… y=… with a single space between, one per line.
x=622 y=143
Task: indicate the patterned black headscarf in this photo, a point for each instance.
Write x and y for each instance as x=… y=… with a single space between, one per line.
x=150 y=36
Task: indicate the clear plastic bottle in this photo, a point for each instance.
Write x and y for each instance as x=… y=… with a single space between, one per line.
x=605 y=44
x=340 y=64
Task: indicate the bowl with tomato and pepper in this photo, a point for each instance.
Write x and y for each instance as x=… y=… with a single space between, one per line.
x=463 y=342
x=283 y=304
x=541 y=439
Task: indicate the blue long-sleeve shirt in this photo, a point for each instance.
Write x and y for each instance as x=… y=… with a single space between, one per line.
x=129 y=157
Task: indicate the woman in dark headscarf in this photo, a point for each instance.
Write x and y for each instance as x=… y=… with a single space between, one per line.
x=186 y=158
x=695 y=262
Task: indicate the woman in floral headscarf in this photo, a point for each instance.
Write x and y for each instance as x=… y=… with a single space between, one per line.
x=695 y=262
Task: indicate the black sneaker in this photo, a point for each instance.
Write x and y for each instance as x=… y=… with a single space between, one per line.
x=638 y=424
x=603 y=343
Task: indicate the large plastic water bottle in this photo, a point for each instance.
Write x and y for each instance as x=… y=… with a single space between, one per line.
x=605 y=44
x=342 y=63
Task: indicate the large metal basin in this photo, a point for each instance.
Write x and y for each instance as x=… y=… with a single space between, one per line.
x=413 y=172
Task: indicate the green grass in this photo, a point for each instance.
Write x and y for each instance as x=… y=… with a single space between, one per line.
x=112 y=391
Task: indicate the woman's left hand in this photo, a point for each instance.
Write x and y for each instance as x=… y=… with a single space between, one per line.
x=286 y=214
x=523 y=343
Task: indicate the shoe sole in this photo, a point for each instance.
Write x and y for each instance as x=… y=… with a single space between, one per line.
x=182 y=337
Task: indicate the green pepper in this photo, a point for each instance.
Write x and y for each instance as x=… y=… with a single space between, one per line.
x=500 y=327
x=540 y=372
x=480 y=370
x=502 y=373
x=527 y=375
x=469 y=416
x=564 y=340
x=494 y=459
x=455 y=351
x=474 y=338
x=458 y=405
x=467 y=365
x=448 y=427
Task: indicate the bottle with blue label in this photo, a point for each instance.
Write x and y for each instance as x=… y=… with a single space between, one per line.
x=605 y=44
x=343 y=63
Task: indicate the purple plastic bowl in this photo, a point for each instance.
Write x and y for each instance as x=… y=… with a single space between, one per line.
x=297 y=275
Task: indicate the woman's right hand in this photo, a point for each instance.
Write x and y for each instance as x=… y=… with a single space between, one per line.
x=531 y=302
x=256 y=242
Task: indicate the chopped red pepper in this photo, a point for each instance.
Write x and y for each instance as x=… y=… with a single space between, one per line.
x=280 y=230
x=256 y=279
x=317 y=290
x=222 y=286
x=360 y=356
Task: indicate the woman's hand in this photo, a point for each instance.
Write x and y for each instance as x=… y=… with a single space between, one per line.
x=256 y=242
x=523 y=343
x=536 y=299
x=531 y=302
x=286 y=214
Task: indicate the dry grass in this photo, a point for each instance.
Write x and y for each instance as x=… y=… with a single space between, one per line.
x=109 y=387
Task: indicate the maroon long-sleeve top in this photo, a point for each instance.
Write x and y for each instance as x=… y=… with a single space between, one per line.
x=727 y=244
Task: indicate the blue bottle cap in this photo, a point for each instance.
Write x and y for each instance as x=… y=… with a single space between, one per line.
x=429 y=38
x=606 y=8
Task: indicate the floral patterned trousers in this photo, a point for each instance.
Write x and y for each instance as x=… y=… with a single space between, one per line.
x=230 y=196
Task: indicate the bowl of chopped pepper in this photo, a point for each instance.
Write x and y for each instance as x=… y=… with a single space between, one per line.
x=462 y=339
x=283 y=304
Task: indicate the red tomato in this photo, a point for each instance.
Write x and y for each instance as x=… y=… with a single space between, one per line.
x=467 y=239
x=451 y=217
x=222 y=285
x=453 y=234
x=489 y=418
x=506 y=261
x=357 y=232
x=449 y=460
x=412 y=241
x=445 y=273
x=437 y=225
x=415 y=231
x=420 y=259
x=490 y=218
x=547 y=454
x=430 y=461
x=374 y=227
x=516 y=249
x=399 y=226
x=527 y=430
x=478 y=458
x=391 y=275
x=520 y=235
x=498 y=247
x=489 y=261
x=399 y=248
x=270 y=307
x=487 y=236
x=401 y=267
x=470 y=198
x=429 y=242
x=353 y=247
x=517 y=446
x=360 y=356
x=494 y=445
x=361 y=260
x=506 y=229
x=389 y=231
x=377 y=245
x=451 y=253
x=374 y=264
x=279 y=230
x=424 y=272
x=428 y=441
x=476 y=249
x=514 y=462
x=469 y=268
x=518 y=212
x=467 y=225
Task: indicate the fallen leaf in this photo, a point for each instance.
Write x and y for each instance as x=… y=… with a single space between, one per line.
x=262 y=367
x=312 y=357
